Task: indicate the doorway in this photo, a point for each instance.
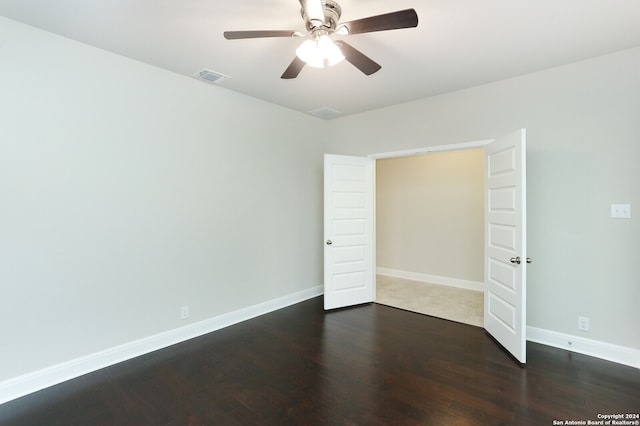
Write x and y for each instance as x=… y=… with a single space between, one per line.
x=349 y=219
x=430 y=233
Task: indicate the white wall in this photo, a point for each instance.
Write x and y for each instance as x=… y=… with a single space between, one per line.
x=583 y=129
x=127 y=191
x=430 y=214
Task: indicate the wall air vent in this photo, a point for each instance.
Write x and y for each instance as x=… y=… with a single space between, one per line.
x=211 y=76
x=325 y=112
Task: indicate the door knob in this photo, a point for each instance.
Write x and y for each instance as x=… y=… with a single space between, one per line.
x=329 y=242
x=515 y=260
x=528 y=260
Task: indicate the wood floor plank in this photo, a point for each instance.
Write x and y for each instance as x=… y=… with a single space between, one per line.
x=368 y=365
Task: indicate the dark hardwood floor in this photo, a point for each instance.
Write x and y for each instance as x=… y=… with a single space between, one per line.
x=369 y=365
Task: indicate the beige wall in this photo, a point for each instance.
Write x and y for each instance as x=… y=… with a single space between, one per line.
x=429 y=214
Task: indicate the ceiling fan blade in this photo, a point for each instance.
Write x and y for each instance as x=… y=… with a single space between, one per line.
x=389 y=21
x=314 y=10
x=358 y=59
x=293 y=69
x=236 y=35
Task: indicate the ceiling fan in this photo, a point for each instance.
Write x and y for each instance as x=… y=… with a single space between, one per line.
x=321 y=19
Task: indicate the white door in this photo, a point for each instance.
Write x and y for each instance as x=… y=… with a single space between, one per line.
x=349 y=277
x=505 y=243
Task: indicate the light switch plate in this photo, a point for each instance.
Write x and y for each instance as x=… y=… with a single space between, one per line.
x=621 y=211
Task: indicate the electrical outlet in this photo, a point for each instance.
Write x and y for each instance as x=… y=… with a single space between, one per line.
x=621 y=211
x=184 y=312
x=583 y=323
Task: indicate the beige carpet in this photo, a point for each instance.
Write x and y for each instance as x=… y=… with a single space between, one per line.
x=452 y=303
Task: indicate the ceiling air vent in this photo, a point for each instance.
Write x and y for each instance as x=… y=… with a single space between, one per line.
x=211 y=76
x=325 y=112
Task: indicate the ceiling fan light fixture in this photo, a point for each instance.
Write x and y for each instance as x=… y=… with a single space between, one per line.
x=315 y=52
x=342 y=30
x=330 y=51
x=308 y=53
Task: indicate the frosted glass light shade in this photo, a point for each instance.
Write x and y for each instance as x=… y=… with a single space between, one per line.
x=308 y=52
x=315 y=52
x=329 y=50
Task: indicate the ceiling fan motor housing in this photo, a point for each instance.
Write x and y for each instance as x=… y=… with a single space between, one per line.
x=332 y=13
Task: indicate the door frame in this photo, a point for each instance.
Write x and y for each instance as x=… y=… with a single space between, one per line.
x=428 y=149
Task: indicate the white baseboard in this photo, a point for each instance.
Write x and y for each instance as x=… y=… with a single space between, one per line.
x=40 y=379
x=434 y=279
x=595 y=348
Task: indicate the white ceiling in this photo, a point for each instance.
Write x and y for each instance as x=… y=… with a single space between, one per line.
x=457 y=44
